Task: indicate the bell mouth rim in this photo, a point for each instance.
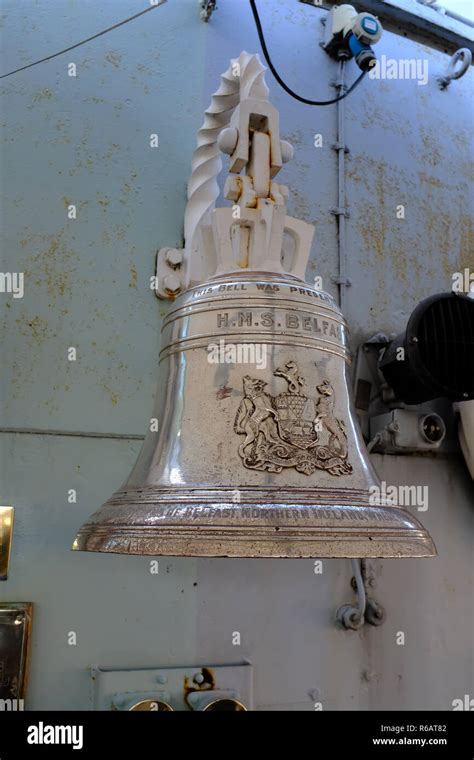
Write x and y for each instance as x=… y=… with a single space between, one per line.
x=293 y=523
x=225 y=545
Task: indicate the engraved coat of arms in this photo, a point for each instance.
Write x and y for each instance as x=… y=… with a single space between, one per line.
x=291 y=429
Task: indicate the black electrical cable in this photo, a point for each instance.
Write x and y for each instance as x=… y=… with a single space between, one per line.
x=83 y=42
x=280 y=80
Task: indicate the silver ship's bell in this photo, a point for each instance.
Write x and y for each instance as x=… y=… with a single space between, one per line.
x=259 y=452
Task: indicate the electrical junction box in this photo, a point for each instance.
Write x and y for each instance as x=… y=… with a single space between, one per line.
x=407 y=430
x=209 y=688
x=348 y=34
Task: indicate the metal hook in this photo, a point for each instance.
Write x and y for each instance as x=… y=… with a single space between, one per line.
x=465 y=56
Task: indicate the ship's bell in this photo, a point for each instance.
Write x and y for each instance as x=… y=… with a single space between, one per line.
x=258 y=452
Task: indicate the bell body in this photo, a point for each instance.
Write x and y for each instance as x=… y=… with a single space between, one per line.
x=258 y=452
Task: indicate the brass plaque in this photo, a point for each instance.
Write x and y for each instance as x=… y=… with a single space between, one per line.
x=6 y=531
x=15 y=628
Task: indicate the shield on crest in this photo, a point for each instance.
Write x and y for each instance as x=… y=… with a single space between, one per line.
x=296 y=415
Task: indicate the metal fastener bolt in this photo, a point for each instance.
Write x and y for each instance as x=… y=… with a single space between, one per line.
x=198 y=678
x=174 y=257
x=172 y=284
x=161 y=679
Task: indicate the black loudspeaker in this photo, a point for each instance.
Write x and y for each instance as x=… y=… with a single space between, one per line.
x=434 y=357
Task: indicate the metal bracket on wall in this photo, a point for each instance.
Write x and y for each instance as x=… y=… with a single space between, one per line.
x=206 y=689
x=340 y=146
x=340 y=212
x=169 y=272
x=207 y=9
x=368 y=610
